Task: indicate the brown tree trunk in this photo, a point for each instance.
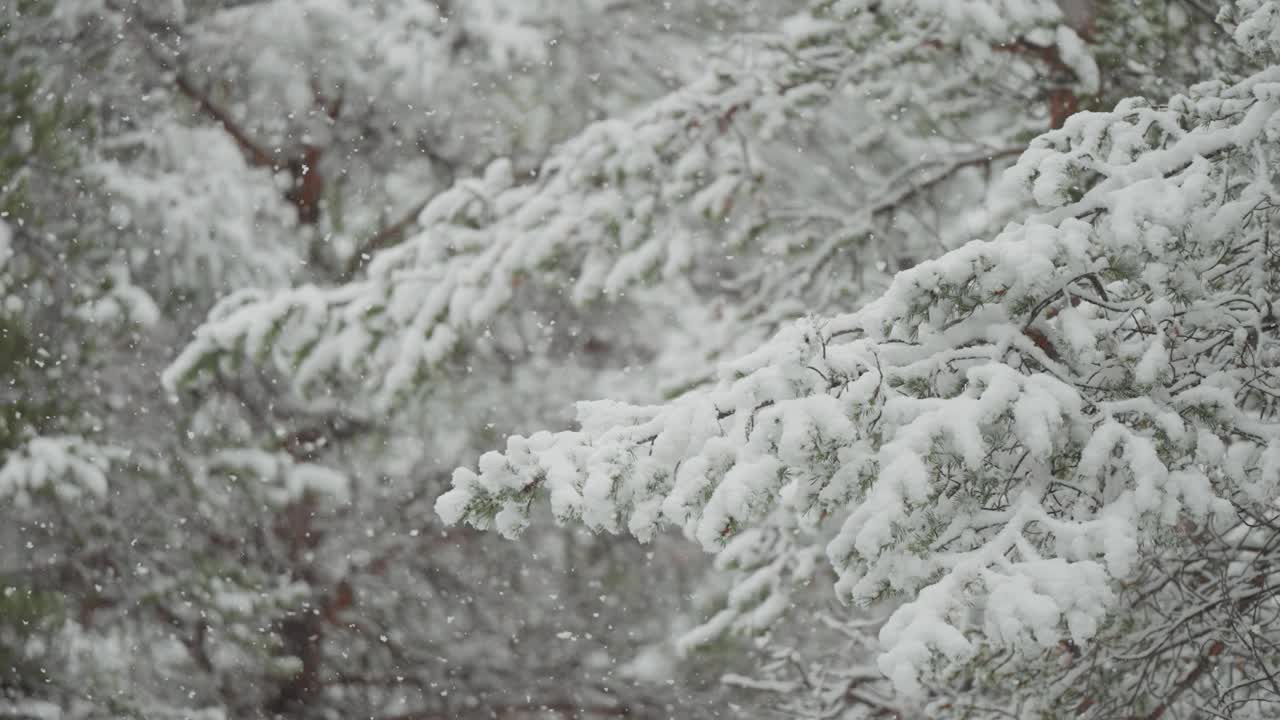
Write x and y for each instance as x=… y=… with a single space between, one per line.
x=301 y=636
x=308 y=185
x=302 y=632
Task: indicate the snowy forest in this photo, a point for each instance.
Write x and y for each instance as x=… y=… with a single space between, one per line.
x=586 y=359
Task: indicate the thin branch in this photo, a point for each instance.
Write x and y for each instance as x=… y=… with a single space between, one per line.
x=384 y=238
x=1215 y=649
x=256 y=154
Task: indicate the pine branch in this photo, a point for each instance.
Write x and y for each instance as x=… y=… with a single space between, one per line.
x=256 y=154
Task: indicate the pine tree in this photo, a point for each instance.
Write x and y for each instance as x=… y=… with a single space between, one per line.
x=1031 y=474
x=1047 y=461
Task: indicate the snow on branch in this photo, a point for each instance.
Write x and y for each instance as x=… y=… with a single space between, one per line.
x=598 y=199
x=1008 y=425
x=624 y=202
x=67 y=467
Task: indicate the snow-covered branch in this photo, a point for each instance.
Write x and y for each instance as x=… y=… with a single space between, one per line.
x=1001 y=434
